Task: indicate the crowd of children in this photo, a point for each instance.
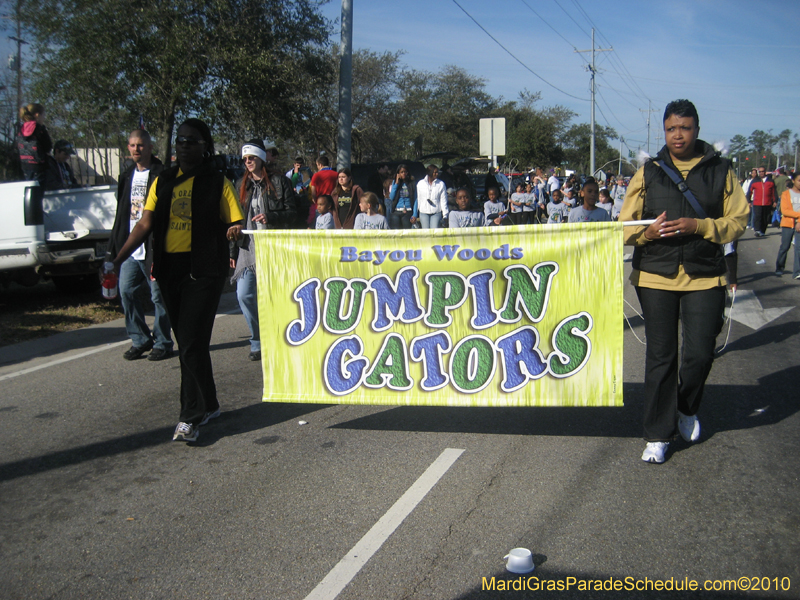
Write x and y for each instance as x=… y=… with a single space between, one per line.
x=402 y=205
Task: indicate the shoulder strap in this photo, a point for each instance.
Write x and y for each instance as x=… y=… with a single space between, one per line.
x=687 y=193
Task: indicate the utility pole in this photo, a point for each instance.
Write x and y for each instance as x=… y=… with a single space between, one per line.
x=621 y=141
x=592 y=70
x=17 y=62
x=648 y=111
x=345 y=87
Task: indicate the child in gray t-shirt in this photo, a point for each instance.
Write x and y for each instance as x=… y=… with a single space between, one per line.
x=464 y=217
x=557 y=211
x=324 y=218
x=589 y=211
x=371 y=215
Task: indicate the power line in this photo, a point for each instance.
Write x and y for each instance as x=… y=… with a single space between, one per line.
x=541 y=18
x=578 y=25
x=526 y=67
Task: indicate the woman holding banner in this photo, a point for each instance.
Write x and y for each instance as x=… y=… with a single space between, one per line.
x=696 y=205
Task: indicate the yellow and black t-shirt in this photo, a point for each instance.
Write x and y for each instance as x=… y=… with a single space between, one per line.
x=179 y=233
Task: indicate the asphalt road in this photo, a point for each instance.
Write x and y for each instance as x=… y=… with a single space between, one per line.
x=96 y=501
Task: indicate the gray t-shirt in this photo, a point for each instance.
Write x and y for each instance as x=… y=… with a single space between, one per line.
x=325 y=221
x=465 y=218
x=365 y=221
x=557 y=213
x=581 y=215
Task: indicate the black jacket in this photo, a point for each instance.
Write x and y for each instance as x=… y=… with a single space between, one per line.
x=122 y=220
x=280 y=207
x=209 y=249
x=707 y=181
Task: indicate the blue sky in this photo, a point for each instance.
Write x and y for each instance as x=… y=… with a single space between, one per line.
x=735 y=59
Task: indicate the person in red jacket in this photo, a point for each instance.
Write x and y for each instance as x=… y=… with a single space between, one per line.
x=762 y=193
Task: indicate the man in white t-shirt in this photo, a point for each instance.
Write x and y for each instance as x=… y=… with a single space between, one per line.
x=134 y=273
x=553 y=184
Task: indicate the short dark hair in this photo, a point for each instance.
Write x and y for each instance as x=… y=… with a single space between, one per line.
x=299 y=159
x=142 y=134
x=323 y=160
x=682 y=108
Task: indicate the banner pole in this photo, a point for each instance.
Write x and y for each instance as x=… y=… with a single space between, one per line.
x=624 y=223
x=635 y=223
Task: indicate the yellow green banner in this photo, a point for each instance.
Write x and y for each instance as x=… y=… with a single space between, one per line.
x=491 y=316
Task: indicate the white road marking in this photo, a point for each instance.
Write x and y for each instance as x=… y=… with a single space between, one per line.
x=102 y=348
x=60 y=361
x=748 y=311
x=347 y=568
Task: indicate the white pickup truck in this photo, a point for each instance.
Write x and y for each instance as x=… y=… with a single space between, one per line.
x=61 y=234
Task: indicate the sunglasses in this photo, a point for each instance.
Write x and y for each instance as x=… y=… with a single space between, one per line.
x=189 y=141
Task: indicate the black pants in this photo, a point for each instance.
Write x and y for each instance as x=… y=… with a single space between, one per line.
x=668 y=386
x=761 y=215
x=192 y=306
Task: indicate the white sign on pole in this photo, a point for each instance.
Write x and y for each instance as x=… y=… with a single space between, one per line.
x=492 y=137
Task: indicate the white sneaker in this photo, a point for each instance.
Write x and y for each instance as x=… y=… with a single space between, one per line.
x=654 y=452
x=689 y=427
x=185 y=432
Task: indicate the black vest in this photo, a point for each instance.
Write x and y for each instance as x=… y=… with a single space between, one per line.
x=699 y=257
x=209 y=253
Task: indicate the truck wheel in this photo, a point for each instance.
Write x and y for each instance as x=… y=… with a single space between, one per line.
x=77 y=284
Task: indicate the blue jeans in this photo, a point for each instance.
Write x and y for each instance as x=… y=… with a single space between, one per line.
x=787 y=233
x=430 y=221
x=133 y=277
x=247 y=294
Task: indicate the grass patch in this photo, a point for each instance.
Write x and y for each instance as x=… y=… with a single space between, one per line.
x=29 y=313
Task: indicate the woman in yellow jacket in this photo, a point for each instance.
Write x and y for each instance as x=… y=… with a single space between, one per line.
x=790 y=226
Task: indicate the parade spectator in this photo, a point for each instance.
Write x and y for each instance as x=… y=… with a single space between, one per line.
x=403 y=198
x=267 y=201
x=746 y=188
x=493 y=209
x=192 y=211
x=553 y=184
x=762 y=193
x=59 y=175
x=517 y=203
x=347 y=198
x=782 y=183
x=605 y=201
x=588 y=211
x=679 y=271
x=569 y=197
x=33 y=143
x=465 y=216
x=324 y=180
x=371 y=215
x=326 y=218
x=431 y=205
x=134 y=273
x=790 y=226
x=557 y=211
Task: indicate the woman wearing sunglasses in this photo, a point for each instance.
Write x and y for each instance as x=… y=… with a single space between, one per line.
x=192 y=211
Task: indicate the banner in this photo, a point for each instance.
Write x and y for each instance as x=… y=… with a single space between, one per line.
x=491 y=316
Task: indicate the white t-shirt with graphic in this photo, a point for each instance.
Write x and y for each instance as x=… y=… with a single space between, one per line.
x=138 y=195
